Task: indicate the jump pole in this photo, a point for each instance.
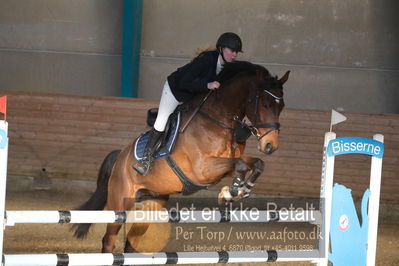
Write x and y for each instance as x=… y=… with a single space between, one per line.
x=374 y=204
x=326 y=184
x=214 y=216
x=158 y=258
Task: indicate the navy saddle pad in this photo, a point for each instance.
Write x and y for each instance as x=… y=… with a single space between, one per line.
x=166 y=148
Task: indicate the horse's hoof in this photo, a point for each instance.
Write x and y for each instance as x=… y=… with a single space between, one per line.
x=240 y=196
x=245 y=195
x=224 y=195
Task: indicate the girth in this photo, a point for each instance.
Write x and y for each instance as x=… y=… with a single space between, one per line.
x=189 y=186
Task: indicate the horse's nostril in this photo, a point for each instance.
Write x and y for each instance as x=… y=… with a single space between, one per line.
x=269 y=148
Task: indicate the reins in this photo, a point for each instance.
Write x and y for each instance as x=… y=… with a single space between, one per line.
x=196 y=111
x=217 y=122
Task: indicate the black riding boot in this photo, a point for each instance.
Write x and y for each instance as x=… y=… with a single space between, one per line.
x=144 y=166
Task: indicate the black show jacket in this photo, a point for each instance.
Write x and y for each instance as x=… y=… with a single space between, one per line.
x=193 y=78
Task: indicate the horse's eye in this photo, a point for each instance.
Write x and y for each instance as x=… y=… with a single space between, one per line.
x=264 y=105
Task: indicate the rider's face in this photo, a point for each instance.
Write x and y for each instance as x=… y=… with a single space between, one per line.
x=229 y=55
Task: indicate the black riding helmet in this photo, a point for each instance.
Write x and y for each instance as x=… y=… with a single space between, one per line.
x=229 y=40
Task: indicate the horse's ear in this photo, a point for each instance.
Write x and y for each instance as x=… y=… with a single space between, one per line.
x=285 y=77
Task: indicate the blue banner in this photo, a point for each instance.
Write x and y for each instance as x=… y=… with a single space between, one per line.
x=3 y=139
x=346 y=145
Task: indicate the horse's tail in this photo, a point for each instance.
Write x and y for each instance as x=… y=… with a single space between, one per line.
x=99 y=198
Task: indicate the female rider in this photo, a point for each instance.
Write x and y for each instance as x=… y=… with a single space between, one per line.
x=196 y=77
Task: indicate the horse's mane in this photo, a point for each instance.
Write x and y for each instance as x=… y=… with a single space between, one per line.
x=231 y=69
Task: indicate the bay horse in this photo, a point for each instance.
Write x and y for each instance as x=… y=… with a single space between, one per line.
x=206 y=151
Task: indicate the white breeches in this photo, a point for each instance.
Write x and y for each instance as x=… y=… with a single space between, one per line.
x=166 y=107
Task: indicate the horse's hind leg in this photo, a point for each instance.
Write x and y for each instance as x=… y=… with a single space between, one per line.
x=113 y=229
x=110 y=237
x=135 y=236
x=120 y=192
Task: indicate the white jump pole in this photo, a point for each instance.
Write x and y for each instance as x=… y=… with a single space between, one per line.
x=215 y=216
x=159 y=258
x=374 y=204
x=326 y=184
x=3 y=176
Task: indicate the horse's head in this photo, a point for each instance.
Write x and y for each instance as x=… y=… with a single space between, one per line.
x=263 y=110
x=260 y=97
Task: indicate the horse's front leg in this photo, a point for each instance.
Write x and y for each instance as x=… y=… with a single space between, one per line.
x=257 y=166
x=234 y=192
x=213 y=169
x=241 y=187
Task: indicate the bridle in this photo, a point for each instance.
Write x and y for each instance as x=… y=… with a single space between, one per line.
x=274 y=126
x=254 y=127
